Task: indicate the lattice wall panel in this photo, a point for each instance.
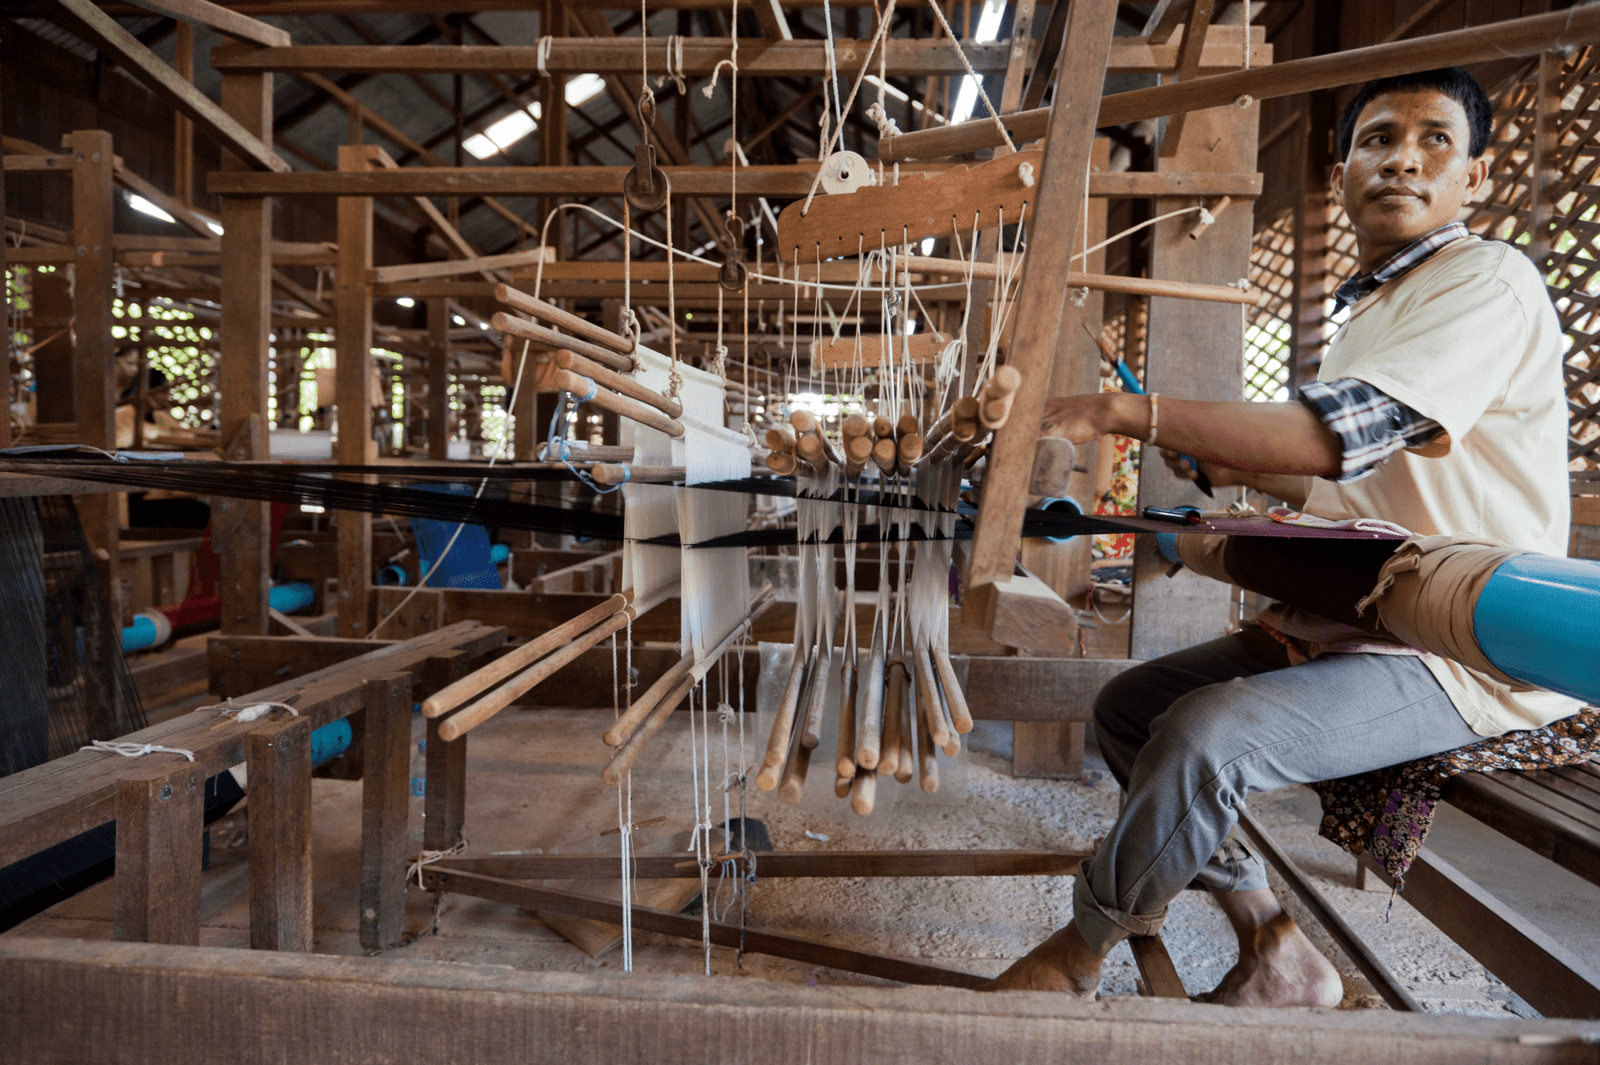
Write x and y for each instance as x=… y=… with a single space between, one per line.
x=1269 y=330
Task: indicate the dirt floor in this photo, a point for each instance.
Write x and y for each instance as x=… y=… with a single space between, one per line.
x=534 y=785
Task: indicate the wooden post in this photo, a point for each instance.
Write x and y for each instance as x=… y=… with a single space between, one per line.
x=352 y=310
x=93 y=357
x=183 y=125
x=439 y=379
x=1546 y=146
x=1194 y=354
x=1063 y=176
x=385 y=808
x=5 y=334
x=241 y=529
x=446 y=798
x=157 y=885
x=278 y=760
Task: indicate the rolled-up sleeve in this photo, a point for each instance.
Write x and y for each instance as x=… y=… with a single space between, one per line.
x=1370 y=424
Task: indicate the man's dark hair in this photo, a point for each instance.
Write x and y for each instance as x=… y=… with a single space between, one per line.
x=1453 y=82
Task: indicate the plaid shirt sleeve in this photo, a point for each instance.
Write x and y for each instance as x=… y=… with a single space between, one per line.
x=1370 y=425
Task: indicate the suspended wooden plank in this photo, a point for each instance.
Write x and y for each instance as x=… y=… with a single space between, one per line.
x=871 y=351
x=961 y=201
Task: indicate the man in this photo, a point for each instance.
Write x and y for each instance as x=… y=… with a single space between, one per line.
x=1439 y=407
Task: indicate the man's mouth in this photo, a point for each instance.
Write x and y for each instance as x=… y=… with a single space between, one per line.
x=1396 y=195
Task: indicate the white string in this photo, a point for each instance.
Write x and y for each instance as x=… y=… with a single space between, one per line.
x=883 y=26
x=427 y=858
x=1083 y=256
x=1246 y=40
x=244 y=713
x=542 y=54
x=976 y=80
x=135 y=750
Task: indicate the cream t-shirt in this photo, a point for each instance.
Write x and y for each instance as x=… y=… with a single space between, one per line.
x=1470 y=339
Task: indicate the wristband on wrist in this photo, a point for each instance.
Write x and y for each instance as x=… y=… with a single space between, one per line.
x=1155 y=416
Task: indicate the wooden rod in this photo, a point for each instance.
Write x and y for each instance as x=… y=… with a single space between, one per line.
x=781 y=438
x=845 y=758
x=480 y=681
x=863 y=791
x=617 y=473
x=511 y=325
x=794 y=775
x=465 y=720
x=964 y=418
x=640 y=708
x=1133 y=286
x=928 y=698
x=811 y=729
x=998 y=394
x=783 y=723
x=871 y=729
x=841 y=786
x=927 y=759
x=572 y=323
x=621 y=406
x=810 y=444
x=657 y=716
x=619 y=383
x=941 y=710
x=905 y=762
x=886 y=454
x=954 y=697
x=889 y=758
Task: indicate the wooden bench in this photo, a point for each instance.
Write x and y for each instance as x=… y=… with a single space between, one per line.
x=155 y=800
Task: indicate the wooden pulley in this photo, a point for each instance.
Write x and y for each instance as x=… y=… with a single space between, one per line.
x=733 y=274
x=646 y=187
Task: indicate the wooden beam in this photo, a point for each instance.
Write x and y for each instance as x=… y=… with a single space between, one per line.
x=177 y=208
x=76 y=1000
x=1062 y=181
x=600 y=55
x=116 y=43
x=773 y=23
x=791 y=181
x=278 y=761
x=453 y=267
x=438 y=380
x=1194 y=39
x=352 y=304
x=225 y=21
x=1164 y=20
x=782 y=864
x=243 y=393
x=1510 y=39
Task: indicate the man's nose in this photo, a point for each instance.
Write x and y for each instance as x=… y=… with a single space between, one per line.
x=1404 y=158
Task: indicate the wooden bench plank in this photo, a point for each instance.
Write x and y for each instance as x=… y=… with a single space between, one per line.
x=1577 y=794
x=1525 y=821
x=49 y=803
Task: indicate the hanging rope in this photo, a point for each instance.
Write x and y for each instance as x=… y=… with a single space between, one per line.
x=866 y=63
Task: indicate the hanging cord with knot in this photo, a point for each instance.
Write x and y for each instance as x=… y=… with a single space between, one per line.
x=427 y=858
x=135 y=750
x=866 y=63
x=976 y=80
x=674 y=66
x=541 y=55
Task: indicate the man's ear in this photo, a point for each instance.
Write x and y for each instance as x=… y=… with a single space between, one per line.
x=1336 y=184
x=1477 y=174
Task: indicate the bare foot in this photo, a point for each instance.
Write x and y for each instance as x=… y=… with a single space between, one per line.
x=1278 y=967
x=1061 y=963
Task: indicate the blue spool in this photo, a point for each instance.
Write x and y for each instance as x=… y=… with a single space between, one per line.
x=1538 y=620
x=291 y=598
x=330 y=741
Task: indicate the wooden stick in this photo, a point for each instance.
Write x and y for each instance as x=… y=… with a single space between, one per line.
x=616 y=473
x=905 y=761
x=511 y=325
x=794 y=776
x=619 y=383
x=964 y=422
x=871 y=730
x=640 y=708
x=845 y=758
x=621 y=406
x=858 y=441
x=841 y=786
x=885 y=454
x=781 y=438
x=783 y=723
x=927 y=760
x=811 y=730
x=889 y=759
x=954 y=697
x=863 y=791
x=623 y=759
x=553 y=315
x=480 y=681
x=998 y=395
x=882 y=427
x=810 y=444
x=464 y=720
x=907 y=451
x=928 y=701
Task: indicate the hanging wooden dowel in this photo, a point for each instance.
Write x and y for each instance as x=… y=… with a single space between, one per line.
x=572 y=323
x=616 y=473
x=927 y=759
x=817 y=705
x=480 y=681
x=810 y=444
x=1132 y=286
x=589 y=391
x=964 y=418
x=845 y=759
x=885 y=454
x=871 y=726
x=905 y=764
x=863 y=791
x=928 y=705
x=998 y=394
x=975 y=456
x=794 y=776
x=954 y=697
x=882 y=427
x=783 y=722
x=841 y=786
x=894 y=693
x=908 y=445
x=781 y=438
x=619 y=383
x=858 y=441
x=470 y=717
x=623 y=760
x=511 y=325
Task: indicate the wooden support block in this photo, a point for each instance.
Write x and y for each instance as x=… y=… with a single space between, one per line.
x=157 y=884
x=278 y=760
x=1023 y=612
x=1047 y=750
x=445 y=803
x=385 y=809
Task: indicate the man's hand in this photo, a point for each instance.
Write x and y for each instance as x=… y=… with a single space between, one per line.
x=1220 y=476
x=1081 y=419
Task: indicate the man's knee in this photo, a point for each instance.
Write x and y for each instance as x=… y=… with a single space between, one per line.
x=1116 y=702
x=1203 y=729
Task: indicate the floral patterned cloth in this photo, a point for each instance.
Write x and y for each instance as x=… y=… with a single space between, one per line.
x=1389 y=811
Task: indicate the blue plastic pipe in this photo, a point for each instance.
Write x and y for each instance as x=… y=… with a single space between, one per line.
x=1538 y=620
x=330 y=741
x=1061 y=506
x=141 y=634
x=291 y=598
x=499 y=553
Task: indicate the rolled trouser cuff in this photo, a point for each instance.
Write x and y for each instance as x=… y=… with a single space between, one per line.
x=1102 y=926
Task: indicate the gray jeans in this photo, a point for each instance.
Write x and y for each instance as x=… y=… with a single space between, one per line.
x=1191 y=734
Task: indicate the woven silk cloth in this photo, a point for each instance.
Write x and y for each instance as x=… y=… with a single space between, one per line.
x=1388 y=812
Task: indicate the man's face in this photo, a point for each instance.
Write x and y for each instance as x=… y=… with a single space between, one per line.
x=1408 y=172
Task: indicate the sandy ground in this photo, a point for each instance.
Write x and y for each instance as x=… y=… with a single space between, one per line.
x=534 y=784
